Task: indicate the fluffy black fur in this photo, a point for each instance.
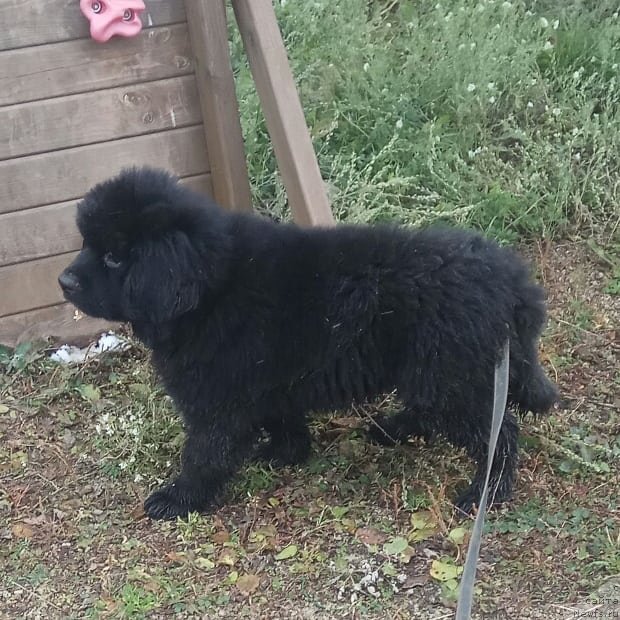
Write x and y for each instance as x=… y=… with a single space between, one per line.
x=254 y=324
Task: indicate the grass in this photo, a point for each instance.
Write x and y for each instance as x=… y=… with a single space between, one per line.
x=358 y=531
x=499 y=115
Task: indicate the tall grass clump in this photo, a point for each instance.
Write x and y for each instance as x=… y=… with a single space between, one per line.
x=499 y=115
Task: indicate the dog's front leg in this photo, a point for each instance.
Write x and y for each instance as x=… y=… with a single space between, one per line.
x=210 y=457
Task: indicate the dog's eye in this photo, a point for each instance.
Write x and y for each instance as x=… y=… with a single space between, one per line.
x=110 y=261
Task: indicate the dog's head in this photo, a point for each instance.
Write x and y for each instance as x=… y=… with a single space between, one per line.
x=152 y=249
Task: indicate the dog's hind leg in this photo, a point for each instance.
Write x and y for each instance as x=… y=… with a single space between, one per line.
x=460 y=429
x=503 y=472
x=289 y=439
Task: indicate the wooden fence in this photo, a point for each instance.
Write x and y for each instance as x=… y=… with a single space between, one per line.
x=74 y=112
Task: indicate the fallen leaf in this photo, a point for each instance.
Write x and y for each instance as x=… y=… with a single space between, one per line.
x=419 y=535
x=227 y=557
x=370 y=536
x=21 y=530
x=407 y=554
x=457 y=535
x=204 y=563
x=424 y=526
x=151 y=585
x=221 y=537
x=248 y=583
x=137 y=512
x=268 y=531
x=232 y=578
x=4 y=409
x=287 y=552
x=338 y=511
x=423 y=519
x=445 y=570
x=415 y=581
x=396 y=546
x=89 y=392
x=177 y=558
x=389 y=570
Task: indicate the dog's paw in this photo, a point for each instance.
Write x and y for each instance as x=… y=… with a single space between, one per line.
x=170 y=502
x=469 y=501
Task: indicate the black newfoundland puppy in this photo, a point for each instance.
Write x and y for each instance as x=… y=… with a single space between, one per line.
x=254 y=324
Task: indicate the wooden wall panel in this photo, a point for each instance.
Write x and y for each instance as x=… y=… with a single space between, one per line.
x=57 y=321
x=32 y=285
x=74 y=112
x=202 y=183
x=100 y=116
x=67 y=174
x=49 y=230
x=60 y=69
x=35 y=22
x=27 y=235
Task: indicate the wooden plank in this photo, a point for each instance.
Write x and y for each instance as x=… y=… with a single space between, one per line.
x=35 y=22
x=202 y=183
x=60 y=69
x=26 y=235
x=32 y=285
x=263 y=43
x=49 y=230
x=220 y=110
x=57 y=323
x=63 y=175
x=88 y=118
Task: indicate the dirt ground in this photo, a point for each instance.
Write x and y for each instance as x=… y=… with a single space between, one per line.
x=359 y=532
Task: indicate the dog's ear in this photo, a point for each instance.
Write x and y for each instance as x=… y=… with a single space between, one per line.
x=166 y=278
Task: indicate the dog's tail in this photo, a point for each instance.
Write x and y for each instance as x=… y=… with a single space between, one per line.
x=531 y=389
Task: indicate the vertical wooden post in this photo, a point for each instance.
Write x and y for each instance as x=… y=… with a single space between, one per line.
x=283 y=112
x=220 y=110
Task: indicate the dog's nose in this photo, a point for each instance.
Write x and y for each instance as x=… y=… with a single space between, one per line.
x=68 y=282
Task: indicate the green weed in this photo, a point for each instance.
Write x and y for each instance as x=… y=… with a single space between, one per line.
x=136 y=601
x=503 y=116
